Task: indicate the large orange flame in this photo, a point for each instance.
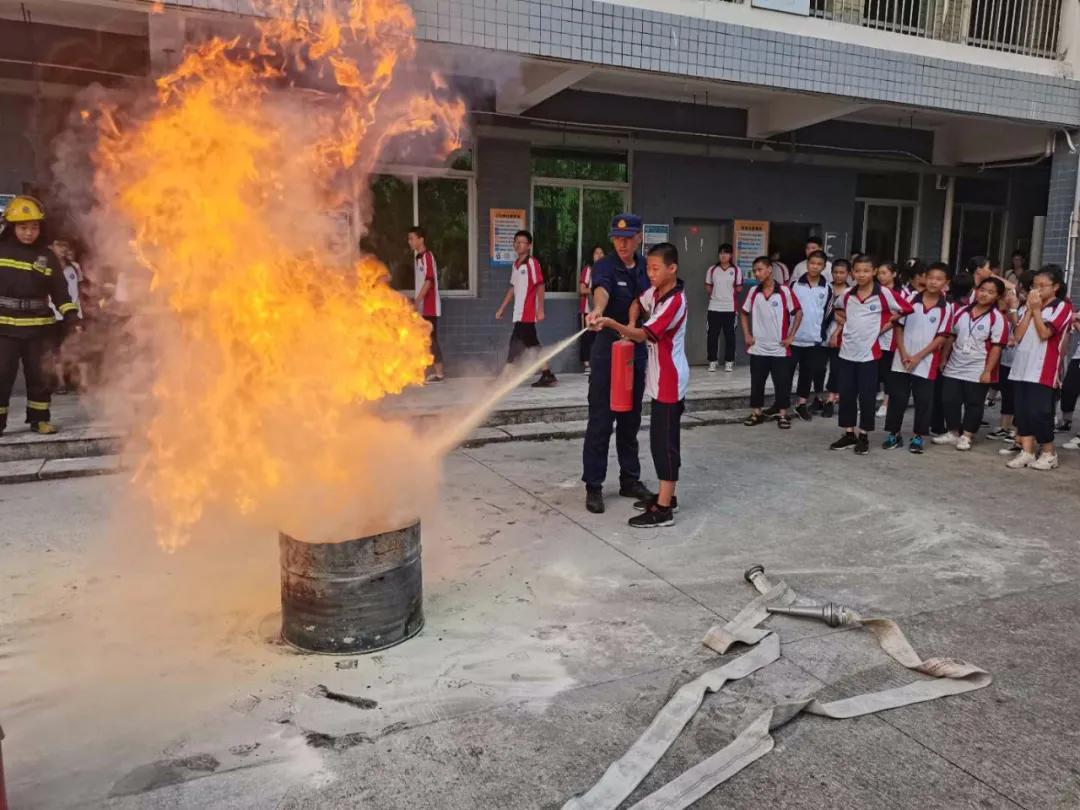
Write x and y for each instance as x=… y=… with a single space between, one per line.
x=261 y=341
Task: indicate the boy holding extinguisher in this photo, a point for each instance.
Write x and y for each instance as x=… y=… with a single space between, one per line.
x=666 y=376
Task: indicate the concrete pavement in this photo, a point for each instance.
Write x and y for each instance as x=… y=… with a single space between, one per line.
x=142 y=680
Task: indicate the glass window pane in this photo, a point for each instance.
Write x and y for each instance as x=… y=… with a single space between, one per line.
x=601 y=205
x=856 y=229
x=555 y=235
x=444 y=216
x=573 y=165
x=392 y=216
x=881 y=232
x=907 y=225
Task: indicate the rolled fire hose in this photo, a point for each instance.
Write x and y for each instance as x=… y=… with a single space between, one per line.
x=950 y=677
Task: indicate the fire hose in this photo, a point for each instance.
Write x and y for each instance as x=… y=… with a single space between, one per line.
x=949 y=677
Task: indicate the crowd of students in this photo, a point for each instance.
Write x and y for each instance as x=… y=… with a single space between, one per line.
x=859 y=332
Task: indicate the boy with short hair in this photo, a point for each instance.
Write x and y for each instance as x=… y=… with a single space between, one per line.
x=920 y=337
x=527 y=292
x=808 y=349
x=723 y=283
x=813 y=245
x=865 y=312
x=428 y=302
x=666 y=377
x=840 y=283
x=771 y=316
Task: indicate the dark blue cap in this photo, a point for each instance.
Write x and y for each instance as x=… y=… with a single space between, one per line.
x=625 y=225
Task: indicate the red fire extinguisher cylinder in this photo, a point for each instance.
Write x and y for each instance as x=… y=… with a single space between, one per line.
x=622 y=376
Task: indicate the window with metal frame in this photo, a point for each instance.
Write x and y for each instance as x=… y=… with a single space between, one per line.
x=443 y=203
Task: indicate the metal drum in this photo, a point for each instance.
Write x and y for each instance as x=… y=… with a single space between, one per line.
x=356 y=596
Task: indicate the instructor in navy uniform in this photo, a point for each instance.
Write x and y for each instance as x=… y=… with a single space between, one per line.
x=617 y=281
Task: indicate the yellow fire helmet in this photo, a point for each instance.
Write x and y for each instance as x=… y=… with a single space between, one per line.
x=24 y=209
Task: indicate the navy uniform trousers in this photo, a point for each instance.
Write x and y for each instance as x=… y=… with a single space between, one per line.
x=602 y=420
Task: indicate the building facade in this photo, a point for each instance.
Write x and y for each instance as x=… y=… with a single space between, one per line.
x=914 y=128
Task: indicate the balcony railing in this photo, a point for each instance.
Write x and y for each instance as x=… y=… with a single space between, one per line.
x=1026 y=27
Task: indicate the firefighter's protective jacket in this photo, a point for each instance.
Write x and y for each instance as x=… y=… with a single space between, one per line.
x=29 y=276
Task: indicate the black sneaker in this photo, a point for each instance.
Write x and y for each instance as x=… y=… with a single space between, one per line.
x=653 y=518
x=828 y=410
x=771 y=412
x=1064 y=426
x=817 y=406
x=636 y=490
x=999 y=434
x=594 y=501
x=892 y=441
x=804 y=412
x=844 y=442
x=862 y=445
x=547 y=380
x=755 y=419
x=641 y=506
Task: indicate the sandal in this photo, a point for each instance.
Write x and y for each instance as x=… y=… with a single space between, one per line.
x=783 y=422
x=754 y=419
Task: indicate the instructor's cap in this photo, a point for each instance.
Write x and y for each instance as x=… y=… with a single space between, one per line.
x=625 y=225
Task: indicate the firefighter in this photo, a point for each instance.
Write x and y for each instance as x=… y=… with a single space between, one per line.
x=30 y=275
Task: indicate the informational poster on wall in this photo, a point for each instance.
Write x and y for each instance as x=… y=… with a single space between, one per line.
x=655 y=234
x=505 y=222
x=4 y=200
x=751 y=241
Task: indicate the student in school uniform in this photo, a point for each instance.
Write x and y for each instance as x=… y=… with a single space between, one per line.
x=770 y=318
x=527 y=292
x=840 y=283
x=666 y=377
x=808 y=348
x=1040 y=333
x=723 y=284
x=584 y=304
x=920 y=337
x=780 y=272
x=1010 y=308
x=813 y=245
x=887 y=277
x=979 y=332
x=1070 y=389
x=428 y=302
x=914 y=278
x=958 y=294
x=866 y=311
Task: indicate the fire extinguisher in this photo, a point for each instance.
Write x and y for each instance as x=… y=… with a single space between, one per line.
x=622 y=376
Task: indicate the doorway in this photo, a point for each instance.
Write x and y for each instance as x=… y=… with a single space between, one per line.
x=790 y=239
x=698 y=241
x=976 y=231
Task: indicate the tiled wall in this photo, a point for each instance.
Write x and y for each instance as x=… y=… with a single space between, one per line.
x=1062 y=191
x=622 y=36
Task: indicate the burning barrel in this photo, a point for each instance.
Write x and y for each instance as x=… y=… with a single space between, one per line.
x=356 y=596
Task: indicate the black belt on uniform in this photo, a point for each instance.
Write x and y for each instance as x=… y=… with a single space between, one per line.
x=24 y=303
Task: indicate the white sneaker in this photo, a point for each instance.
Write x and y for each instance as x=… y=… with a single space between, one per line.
x=729 y=367
x=1025 y=459
x=963 y=443
x=1047 y=461
x=712 y=367
x=1073 y=443
x=947 y=438
x=881 y=411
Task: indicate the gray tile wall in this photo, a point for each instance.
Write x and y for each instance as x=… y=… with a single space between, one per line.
x=1062 y=191
x=621 y=36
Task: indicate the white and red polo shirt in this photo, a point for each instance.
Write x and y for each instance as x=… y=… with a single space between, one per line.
x=974 y=336
x=526 y=277
x=771 y=318
x=864 y=320
x=1037 y=360
x=888 y=337
x=726 y=283
x=668 y=374
x=427 y=271
x=585 y=277
x=921 y=327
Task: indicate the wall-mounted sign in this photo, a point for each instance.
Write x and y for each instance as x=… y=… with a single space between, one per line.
x=801 y=7
x=751 y=241
x=505 y=222
x=654 y=234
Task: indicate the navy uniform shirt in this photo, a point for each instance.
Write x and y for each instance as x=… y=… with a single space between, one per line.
x=623 y=284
